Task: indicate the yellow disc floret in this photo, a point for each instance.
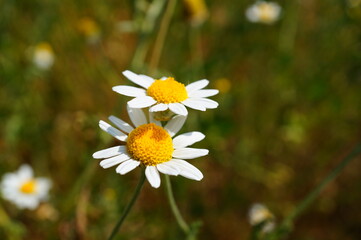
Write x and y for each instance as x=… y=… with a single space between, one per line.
x=167 y=91
x=28 y=187
x=266 y=13
x=150 y=144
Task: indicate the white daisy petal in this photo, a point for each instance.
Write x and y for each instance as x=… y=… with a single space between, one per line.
x=194 y=103
x=141 y=102
x=129 y=91
x=187 y=139
x=30 y=203
x=153 y=177
x=189 y=153
x=43 y=186
x=112 y=131
x=9 y=180
x=110 y=162
x=178 y=108
x=203 y=93
x=25 y=171
x=152 y=120
x=141 y=80
x=137 y=116
x=109 y=152
x=188 y=170
x=146 y=78
x=121 y=124
x=127 y=166
x=207 y=103
x=197 y=85
x=175 y=124
x=159 y=107
x=168 y=168
x=251 y=14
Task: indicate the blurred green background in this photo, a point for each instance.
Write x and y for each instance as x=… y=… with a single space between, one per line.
x=290 y=108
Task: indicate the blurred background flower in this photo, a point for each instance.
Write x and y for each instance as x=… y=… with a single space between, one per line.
x=260 y=214
x=43 y=56
x=263 y=12
x=197 y=11
x=23 y=189
x=90 y=29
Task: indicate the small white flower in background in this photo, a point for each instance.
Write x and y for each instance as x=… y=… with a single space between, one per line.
x=151 y=145
x=43 y=56
x=258 y=214
x=166 y=93
x=23 y=189
x=263 y=12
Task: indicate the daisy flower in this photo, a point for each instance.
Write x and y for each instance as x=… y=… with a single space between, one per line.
x=166 y=93
x=43 y=56
x=258 y=214
x=151 y=145
x=23 y=189
x=263 y=12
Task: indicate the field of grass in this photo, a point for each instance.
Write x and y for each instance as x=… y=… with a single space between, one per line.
x=289 y=112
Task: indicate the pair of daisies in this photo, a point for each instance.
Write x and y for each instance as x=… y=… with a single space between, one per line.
x=151 y=141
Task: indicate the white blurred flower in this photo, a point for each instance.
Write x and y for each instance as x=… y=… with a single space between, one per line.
x=269 y=226
x=258 y=214
x=151 y=145
x=43 y=56
x=23 y=189
x=166 y=93
x=264 y=12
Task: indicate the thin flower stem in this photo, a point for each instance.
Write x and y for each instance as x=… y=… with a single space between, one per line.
x=182 y=224
x=159 y=42
x=289 y=28
x=129 y=206
x=146 y=28
x=196 y=49
x=312 y=195
x=140 y=53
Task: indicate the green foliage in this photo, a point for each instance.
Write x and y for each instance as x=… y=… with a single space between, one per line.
x=290 y=107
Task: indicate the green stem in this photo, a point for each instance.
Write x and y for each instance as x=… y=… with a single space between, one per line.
x=140 y=53
x=312 y=195
x=81 y=181
x=14 y=230
x=146 y=28
x=129 y=206
x=196 y=50
x=289 y=29
x=182 y=224
x=159 y=42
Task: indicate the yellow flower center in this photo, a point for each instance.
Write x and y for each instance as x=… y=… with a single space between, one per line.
x=28 y=187
x=45 y=47
x=167 y=91
x=267 y=12
x=150 y=144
